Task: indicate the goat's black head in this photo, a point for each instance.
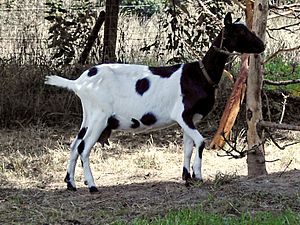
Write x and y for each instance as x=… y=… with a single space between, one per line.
x=237 y=37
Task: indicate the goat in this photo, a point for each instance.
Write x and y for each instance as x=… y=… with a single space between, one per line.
x=140 y=98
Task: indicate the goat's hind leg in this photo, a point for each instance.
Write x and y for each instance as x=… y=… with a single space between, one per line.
x=69 y=179
x=94 y=129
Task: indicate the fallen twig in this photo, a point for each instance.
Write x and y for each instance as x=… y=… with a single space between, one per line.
x=290 y=162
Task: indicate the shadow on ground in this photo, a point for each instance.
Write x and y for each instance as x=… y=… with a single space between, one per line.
x=234 y=195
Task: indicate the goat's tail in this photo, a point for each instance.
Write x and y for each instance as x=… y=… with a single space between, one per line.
x=60 y=82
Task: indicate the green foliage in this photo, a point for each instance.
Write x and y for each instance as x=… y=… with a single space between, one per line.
x=280 y=69
x=142 y=8
x=190 y=28
x=199 y=216
x=69 y=28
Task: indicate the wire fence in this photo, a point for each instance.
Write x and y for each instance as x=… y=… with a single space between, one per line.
x=24 y=33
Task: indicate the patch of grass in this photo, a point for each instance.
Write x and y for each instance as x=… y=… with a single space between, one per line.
x=199 y=216
x=147 y=160
x=222 y=178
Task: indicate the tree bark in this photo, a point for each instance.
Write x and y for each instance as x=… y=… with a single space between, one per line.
x=256 y=159
x=110 y=31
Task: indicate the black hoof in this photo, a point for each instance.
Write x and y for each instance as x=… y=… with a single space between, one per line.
x=85 y=182
x=70 y=187
x=196 y=179
x=93 y=189
x=185 y=174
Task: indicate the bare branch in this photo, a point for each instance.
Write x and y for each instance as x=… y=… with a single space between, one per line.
x=282 y=126
x=274 y=160
x=295 y=5
x=277 y=14
x=280 y=51
x=273 y=140
x=283 y=106
x=239 y=4
x=284 y=27
x=287 y=166
x=275 y=143
x=283 y=82
x=268 y=105
x=233 y=149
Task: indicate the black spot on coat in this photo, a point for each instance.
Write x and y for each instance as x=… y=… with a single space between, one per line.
x=201 y=148
x=67 y=178
x=198 y=94
x=82 y=132
x=112 y=123
x=92 y=71
x=142 y=86
x=148 y=119
x=80 y=147
x=135 y=123
x=69 y=185
x=165 y=71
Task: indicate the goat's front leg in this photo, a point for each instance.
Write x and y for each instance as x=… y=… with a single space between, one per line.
x=198 y=140
x=188 y=150
x=198 y=162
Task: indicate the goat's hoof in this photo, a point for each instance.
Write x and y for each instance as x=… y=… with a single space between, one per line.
x=70 y=187
x=185 y=174
x=188 y=182
x=93 y=189
x=85 y=182
x=197 y=179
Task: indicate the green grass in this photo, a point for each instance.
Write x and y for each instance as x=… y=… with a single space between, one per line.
x=280 y=69
x=198 y=216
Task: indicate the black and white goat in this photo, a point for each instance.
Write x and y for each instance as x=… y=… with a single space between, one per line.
x=140 y=98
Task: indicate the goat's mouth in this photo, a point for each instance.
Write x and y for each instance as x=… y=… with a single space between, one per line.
x=260 y=49
x=256 y=50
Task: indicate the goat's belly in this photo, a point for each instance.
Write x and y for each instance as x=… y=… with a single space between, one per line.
x=147 y=122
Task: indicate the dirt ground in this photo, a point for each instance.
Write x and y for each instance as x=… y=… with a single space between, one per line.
x=137 y=175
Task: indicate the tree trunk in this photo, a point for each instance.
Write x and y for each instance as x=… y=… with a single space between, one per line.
x=256 y=157
x=110 y=30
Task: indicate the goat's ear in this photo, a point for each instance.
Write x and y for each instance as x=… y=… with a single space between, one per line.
x=228 y=19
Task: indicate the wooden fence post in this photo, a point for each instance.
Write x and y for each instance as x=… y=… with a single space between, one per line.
x=110 y=31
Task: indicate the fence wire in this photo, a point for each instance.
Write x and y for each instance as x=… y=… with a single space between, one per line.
x=24 y=33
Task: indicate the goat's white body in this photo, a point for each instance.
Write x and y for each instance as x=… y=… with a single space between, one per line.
x=112 y=91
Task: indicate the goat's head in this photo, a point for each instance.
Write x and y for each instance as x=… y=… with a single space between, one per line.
x=237 y=37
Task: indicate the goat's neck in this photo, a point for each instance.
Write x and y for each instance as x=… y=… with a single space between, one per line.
x=214 y=61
